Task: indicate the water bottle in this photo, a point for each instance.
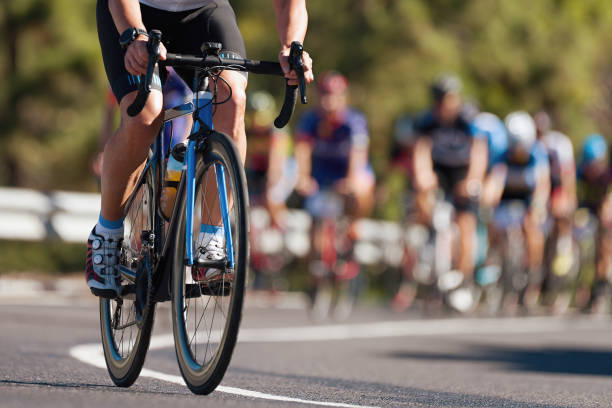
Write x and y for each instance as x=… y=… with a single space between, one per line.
x=174 y=167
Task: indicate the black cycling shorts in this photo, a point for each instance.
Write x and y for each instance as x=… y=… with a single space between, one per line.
x=448 y=179
x=183 y=32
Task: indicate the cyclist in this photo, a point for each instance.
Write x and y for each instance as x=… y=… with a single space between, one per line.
x=526 y=179
x=332 y=147
x=559 y=254
x=594 y=193
x=451 y=154
x=186 y=25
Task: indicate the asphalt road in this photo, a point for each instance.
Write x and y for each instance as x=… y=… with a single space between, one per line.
x=377 y=358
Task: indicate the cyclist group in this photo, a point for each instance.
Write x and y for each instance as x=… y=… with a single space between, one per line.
x=494 y=172
x=472 y=159
x=502 y=173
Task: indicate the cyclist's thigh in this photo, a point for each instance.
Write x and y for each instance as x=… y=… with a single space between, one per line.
x=113 y=55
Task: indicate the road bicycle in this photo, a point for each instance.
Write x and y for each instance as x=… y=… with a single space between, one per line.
x=159 y=259
x=336 y=279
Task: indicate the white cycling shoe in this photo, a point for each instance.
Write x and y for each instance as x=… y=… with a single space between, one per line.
x=101 y=268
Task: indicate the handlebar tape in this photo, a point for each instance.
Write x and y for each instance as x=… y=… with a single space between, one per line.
x=288 y=107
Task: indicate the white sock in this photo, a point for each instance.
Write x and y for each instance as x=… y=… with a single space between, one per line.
x=109 y=233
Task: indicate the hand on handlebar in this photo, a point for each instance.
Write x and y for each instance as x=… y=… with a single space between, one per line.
x=283 y=58
x=137 y=56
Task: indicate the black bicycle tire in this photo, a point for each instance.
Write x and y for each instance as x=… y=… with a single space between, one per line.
x=205 y=380
x=124 y=372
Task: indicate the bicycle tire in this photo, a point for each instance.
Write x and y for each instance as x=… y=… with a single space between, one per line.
x=202 y=377
x=124 y=366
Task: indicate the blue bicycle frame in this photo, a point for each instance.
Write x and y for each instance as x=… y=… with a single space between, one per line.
x=201 y=106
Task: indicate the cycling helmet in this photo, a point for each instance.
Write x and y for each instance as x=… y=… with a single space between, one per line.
x=594 y=149
x=445 y=84
x=332 y=82
x=521 y=130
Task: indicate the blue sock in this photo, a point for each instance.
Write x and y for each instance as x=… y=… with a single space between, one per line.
x=207 y=232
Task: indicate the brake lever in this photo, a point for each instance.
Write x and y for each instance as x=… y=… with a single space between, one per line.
x=153 y=48
x=144 y=88
x=296 y=63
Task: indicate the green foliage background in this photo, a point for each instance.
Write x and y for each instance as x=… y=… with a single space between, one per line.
x=511 y=54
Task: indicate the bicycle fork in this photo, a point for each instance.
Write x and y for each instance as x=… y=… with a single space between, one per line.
x=204 y=99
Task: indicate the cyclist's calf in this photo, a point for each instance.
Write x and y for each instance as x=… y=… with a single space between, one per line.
x=229 y=118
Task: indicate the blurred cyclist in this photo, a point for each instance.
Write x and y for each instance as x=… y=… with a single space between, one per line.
x=270 y=175
x=559 y=254
x=562 y=167
x=332 y=147
x=526 y=179
x=594 y=178
x=450 y=154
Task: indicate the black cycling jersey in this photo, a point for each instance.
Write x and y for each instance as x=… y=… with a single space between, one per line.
x=451 y=143
x=183 y=32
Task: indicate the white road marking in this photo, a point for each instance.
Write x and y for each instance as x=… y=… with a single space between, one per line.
x=93 y=354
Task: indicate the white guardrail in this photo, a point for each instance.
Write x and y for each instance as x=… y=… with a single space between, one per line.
x=30 y=215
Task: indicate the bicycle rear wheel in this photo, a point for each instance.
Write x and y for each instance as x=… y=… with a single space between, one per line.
x=206 y=318
x=125 y=322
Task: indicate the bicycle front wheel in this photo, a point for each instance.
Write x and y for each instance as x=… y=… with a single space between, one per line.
x=206 y=316
x=125 y=325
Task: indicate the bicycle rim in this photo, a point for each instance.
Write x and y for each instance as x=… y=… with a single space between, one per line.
x=126 y=336
x=206 y=317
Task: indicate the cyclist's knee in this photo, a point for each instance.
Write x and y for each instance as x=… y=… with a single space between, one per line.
x=236 y=99
x=146 y=121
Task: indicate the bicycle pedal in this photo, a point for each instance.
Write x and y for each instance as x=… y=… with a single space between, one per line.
x=221 y=288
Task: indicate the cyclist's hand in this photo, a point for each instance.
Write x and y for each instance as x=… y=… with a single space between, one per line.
x=137 y=56
x=306 y=186
x=283 y=58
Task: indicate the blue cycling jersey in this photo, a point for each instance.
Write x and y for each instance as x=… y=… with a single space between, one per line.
x=332 y=141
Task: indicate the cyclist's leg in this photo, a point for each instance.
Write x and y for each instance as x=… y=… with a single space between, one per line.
x=466 y=222
x=466 y=208
x=123 y=156
x=127 y=148
x=126 y=151
x=535 y=241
